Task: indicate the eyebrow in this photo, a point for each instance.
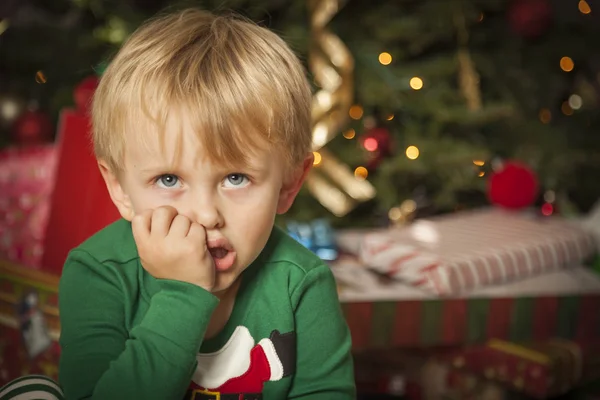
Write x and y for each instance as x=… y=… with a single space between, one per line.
x=156 y=169
x=251 y=167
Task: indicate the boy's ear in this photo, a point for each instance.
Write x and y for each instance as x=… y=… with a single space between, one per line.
x=115 y=190
x=292 y=186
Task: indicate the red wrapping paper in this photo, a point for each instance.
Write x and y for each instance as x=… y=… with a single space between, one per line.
x=26 y=183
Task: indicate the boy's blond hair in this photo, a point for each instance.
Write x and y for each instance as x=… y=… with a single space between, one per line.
x=238 y=84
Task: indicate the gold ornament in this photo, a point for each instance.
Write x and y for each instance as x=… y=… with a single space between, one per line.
x=468 y=78
x=331 y=182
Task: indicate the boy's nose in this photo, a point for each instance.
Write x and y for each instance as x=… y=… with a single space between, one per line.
x=207 y=214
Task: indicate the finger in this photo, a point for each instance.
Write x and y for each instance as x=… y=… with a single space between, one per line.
x=162 y=217
x=180 y=226
x=140 y=225
x=197 y=233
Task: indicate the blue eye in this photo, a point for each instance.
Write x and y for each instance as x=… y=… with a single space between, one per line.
x=167 y=181
x=236 y=180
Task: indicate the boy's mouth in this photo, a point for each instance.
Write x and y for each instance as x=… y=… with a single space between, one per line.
x=218 y=252
x=222 y=253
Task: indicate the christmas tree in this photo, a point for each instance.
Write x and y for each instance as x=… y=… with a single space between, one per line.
x=442 y=90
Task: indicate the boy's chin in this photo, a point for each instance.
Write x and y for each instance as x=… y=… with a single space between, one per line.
x=224 y=284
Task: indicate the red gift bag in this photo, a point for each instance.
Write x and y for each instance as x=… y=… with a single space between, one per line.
x=80 y=204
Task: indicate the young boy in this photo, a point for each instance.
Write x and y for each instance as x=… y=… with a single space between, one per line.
x=201 y=127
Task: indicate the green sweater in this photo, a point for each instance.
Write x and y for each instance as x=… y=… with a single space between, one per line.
x=127 y=335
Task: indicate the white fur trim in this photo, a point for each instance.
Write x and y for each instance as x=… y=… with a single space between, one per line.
x=231 y=361
x=275 y=364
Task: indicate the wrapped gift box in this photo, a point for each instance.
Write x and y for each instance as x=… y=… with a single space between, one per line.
x=496 y=370
x=26 y=183
x=460 y=252
x=385 y=313
x=425 y=374
x=16 y=358
x=540 y=370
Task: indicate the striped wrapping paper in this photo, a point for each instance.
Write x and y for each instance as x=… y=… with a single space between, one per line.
x=384 y=313
x=458 y=321
x=460 y=252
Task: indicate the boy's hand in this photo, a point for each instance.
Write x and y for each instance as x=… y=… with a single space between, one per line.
x=173 y=247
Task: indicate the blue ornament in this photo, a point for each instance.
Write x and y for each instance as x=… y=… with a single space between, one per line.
x=317 y=236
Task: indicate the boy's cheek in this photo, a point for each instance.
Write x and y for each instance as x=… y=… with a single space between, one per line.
x=148 y=201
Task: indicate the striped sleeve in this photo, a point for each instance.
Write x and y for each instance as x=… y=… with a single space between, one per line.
x=31 y=387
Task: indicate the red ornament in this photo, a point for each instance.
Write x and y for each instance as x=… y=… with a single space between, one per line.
x=530 y=18
x=84 y=92
x=32 y=128
x=515 y=186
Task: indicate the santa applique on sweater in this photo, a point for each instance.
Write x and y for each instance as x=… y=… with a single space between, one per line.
x=239 y=370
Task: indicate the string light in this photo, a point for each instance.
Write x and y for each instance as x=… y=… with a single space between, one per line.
x=545 y=115
x=390 y=117
x=361 y=173
x=320 y=134
x=356 y=112
x=567 y=64
x=403 y=213
x=416 y=83
x=349 y=134
x=412 y=152
x=317 y=159
x=408 y=206
x=547 y=209
x=575 y=101
x=566 y=108
x=369 y=122
x=385 y=58
x=40 y=77
x=479 y=163
x=395 y=214
x=548 y=206
x=370 y=144
x=550 y=196
x=584 y=7
x=9 y=109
